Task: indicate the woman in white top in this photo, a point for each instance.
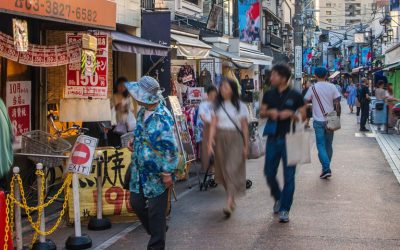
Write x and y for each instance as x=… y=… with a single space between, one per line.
x=229 y=132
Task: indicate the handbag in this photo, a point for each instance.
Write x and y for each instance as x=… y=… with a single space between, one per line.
x=130 y=122
x=257 y=145
x=298 y=146
x=332 y=119
x=120 y=129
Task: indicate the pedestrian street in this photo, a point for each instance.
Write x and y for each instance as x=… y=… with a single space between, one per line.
x=358 y=208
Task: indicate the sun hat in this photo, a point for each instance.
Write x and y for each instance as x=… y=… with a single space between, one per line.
x=320 y=72
x=147 y=90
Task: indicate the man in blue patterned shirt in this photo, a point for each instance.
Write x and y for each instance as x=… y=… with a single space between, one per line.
x=154 y=159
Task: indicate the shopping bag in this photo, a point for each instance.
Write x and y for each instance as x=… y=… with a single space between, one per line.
x=257 y=146
x=298 y=146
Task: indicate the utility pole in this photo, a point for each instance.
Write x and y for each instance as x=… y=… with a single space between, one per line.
x=298 y=44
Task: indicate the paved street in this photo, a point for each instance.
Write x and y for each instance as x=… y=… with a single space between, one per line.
x=359 y=208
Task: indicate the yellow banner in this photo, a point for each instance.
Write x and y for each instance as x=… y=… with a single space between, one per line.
x=115 y=198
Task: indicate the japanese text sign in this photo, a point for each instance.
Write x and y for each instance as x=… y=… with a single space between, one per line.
x=18 y=102
x=95 y=86
x=81 y=158
x=115 y=198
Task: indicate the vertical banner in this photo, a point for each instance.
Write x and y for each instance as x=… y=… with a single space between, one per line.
x=298 y=53
x=81 y=86
x=366 y=56
x=307 y=60
x=156 y=66
x=249 y=20
x=394 y=5
x=18 y=102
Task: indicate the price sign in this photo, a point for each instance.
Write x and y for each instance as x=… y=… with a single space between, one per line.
x=95 y=86
x=94 y=13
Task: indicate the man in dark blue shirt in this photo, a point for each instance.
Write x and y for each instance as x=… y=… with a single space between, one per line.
x=280 y=105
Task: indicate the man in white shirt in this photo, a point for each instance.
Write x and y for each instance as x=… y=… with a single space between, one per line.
x=329 y=98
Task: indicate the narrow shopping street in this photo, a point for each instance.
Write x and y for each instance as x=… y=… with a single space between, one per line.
x=359 y=208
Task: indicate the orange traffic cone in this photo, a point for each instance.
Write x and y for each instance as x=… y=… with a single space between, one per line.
x=3 y=223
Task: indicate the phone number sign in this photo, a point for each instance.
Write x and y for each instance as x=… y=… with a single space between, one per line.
x=89 y=12
x=96 y=86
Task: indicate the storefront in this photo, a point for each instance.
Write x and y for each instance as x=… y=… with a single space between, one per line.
x=37 y=69
x=392 y=62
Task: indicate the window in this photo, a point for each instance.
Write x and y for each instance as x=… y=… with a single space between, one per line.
x=329 y=5
x=328 y=12
x=329 y=20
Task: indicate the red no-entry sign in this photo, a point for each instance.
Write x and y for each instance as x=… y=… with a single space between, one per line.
x=81 y=157
x=81 y=154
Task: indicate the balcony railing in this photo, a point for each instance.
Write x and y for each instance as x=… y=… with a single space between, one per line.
x=274 y=40
x=148 y=4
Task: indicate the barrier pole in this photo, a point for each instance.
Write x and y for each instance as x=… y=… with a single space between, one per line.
x=99 y=223
x=17 y=214
x=42 y=243
x=78 y=241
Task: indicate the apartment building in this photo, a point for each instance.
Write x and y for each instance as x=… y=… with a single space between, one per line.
x=341 y=14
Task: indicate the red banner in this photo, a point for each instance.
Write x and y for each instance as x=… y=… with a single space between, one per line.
x=96 y=86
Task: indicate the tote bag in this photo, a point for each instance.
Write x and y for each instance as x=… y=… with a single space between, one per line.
x=298 y=146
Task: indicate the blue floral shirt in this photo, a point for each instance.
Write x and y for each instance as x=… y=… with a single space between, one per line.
x=155 y=151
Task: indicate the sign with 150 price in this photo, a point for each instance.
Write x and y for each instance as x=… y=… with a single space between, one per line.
x=88 y=12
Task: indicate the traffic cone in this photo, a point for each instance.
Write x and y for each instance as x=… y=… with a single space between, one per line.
x=3 y=222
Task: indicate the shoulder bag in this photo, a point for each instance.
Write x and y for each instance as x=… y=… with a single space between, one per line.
x=332 y=119
x=256 y=146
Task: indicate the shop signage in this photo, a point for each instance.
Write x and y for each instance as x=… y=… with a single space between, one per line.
x=115 y=198
x=81 y=158
x=18 y=102
x=93 y=13
x=181 y=130
x=95 y=86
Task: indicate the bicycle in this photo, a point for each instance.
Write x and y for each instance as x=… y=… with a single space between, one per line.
x=48 y=149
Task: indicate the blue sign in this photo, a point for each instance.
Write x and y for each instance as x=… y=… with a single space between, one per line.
x=394 y=5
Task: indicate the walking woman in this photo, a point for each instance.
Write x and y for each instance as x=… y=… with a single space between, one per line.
x=122 y=109
x=229 y=132
x=351 y=96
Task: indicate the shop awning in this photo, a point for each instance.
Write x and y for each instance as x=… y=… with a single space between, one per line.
x=191 y=47
x=255 y=56
x=236 y=60
x=334 y=75
x=132 y=44
x=357 y=70
x=392 y=66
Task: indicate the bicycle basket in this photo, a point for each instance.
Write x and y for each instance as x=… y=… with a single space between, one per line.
x=42 y=143
x=126 y=138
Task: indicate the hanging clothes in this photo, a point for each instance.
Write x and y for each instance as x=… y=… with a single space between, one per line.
x=187 y=76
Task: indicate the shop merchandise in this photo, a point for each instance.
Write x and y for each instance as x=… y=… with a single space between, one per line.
x=205 y=79
x=187 y=76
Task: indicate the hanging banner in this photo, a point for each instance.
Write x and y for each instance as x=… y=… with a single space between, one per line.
x=249 y=20
x=215 y=21
x=366 y=56
x=20 y=28
x=156 y=66
x=94 y=86
x=115 y=198
x=18 y=102
x=394 y=5
x=7 y=48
